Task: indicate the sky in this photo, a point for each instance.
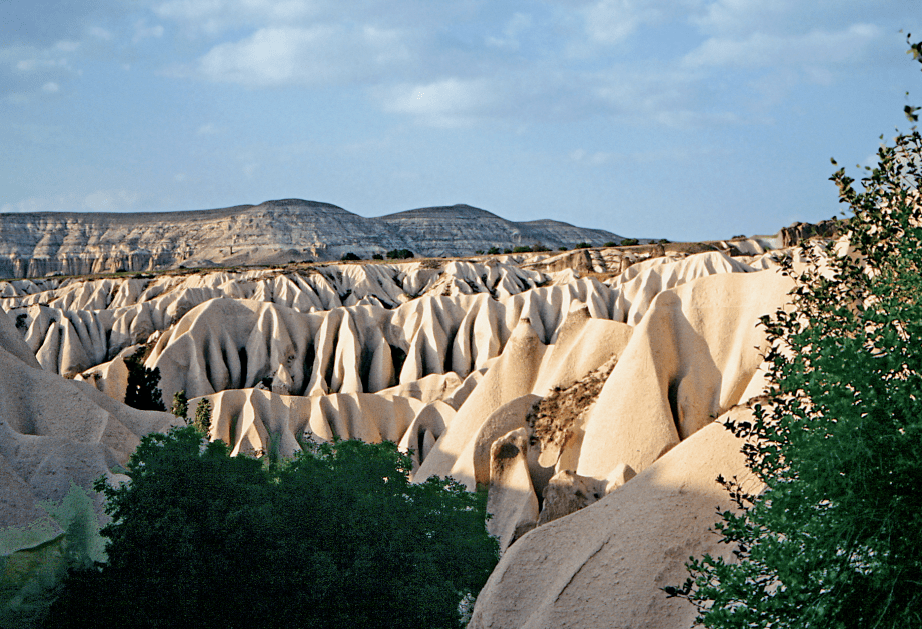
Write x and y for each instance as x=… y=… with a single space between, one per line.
x=679 y=119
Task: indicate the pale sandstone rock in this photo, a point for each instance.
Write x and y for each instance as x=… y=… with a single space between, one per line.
x=688 y=360
x=567 y=492
x=511 y=377
x=508 y=417
x=54 y=431
x=12 y=341
x=511 y=501
x=603 y=566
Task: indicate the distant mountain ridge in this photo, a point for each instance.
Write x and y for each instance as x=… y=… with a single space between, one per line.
x=274 y=232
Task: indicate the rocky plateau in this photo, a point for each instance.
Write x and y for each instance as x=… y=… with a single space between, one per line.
x=275 y=232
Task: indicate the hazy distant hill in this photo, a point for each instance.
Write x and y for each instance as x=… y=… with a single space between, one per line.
x=36 y=244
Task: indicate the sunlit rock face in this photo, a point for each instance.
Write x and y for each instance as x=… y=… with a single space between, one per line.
x=579 y=389
x=275 y=232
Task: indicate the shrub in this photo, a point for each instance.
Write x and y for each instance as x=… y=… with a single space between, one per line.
x=493 y=251
x=610 y=243
x=629 y=242
x=349 y=257
x=522 y=249
x=202 y=421
x=562 y=248
x=583 y=245
x=399 y=254
x=377 y=256
x=337 y=537
x=507 y=250
x=180 y=405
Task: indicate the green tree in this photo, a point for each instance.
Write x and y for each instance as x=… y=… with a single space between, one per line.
x=142 y=391
x=337 y=537
x=833 y=540
x=399 y=254
x=180 y=405
x=202 y=421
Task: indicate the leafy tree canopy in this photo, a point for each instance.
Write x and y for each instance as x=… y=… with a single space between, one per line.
x=834 y=539
x=336 y=537
x=142 y=391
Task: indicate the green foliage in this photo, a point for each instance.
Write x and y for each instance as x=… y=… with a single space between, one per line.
x=479 y=252
x=663 y=241
x=610 y=243
x=142 y=391
x=202 y=421
x=34 y=560
x=377 y=256
x=582 y=245
x=540 y=247
x=562 y=248
x=629 y=242
x=493 y=251
x=833 y=541
x=349 y=257
x=522 y=249
x=336 y=538
x=180 y=407
x=399 y=254
x=507 y=250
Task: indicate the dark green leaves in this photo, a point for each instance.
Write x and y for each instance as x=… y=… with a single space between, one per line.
x=337 y=537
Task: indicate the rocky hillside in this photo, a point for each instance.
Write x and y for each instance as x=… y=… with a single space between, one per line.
x=581 y=388
x=275 y=232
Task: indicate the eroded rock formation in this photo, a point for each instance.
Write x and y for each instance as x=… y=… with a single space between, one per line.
x=586 y=405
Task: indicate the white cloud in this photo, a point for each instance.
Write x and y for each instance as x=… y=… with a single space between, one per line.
x=142 y=31
x=309 y=56
x=51 y=87
x=815 y=49
x=216 y=16
x=517 y=24
x=613 y=21
x=586 y=158
x=207 y=129
x=449 y=102
x=100 y=33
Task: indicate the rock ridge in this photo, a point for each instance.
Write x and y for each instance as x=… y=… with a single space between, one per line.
x=274 y=232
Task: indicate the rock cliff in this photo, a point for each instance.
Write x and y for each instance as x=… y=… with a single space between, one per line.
x=275 y=232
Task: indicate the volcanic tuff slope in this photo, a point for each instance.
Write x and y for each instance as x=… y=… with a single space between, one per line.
x=587 y=407
x=275 y=232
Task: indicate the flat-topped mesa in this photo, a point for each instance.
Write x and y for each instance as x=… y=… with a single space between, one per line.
x=460 y=230
x=274 y=232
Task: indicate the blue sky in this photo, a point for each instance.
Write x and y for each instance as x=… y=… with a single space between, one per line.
x=684 y=119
